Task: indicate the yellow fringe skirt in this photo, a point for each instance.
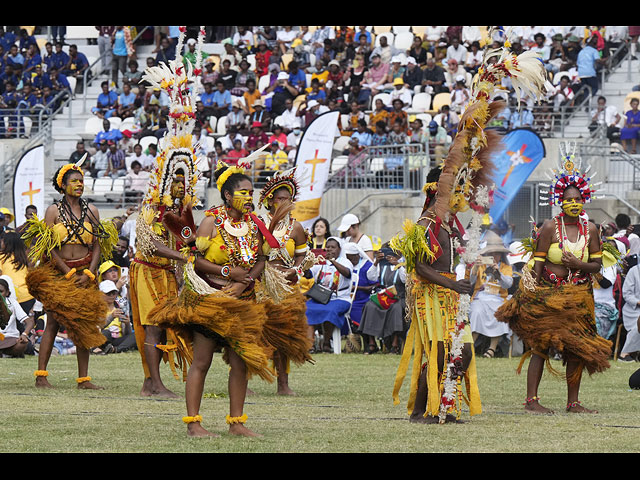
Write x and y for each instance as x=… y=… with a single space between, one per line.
x=82 y=311
x=150 y=286
x=286 y=328
x=432 y=310
x=235 y=323
x=561 y=318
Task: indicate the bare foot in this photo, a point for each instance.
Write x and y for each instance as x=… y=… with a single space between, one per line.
x=42 y=382
x=89 y=386
x=195 y=430
x=577 y=408
x=240 y=430
x=149 y=390
x=285 y=390
x=536 y=408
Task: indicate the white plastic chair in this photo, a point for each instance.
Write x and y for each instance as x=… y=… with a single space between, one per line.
x=148 y=140
x=403 y=40
x=115 y=122
x=421 y=102
x=341 y=143
x=338 y=162
x=263 y=83
x=93 y=125
x=385 y=97
x=221 y=127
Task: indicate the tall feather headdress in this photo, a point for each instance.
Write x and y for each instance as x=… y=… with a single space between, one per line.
x=178 y=147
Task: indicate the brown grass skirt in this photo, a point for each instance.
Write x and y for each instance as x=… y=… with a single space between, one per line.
x=286 y=328
x=558 y=318
x=238 y=322
x=82 y=311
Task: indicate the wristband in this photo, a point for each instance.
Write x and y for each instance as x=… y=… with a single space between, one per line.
x=89 y=274
x=70 y=273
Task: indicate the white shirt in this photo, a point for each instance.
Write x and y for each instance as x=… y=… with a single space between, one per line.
x=605 y=295
x=365 y=243
x=324 y=275
x=17 y=314
x=290 y=119
x=606 y=116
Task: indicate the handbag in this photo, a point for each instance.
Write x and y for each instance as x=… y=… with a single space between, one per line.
x=320 y=293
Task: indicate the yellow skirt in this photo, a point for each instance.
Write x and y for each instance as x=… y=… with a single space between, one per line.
x=433 y=311
x=236 y=323
x=286 y=328
x=149 y=287
x=82 y=311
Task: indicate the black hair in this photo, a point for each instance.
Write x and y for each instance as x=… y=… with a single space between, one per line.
x=14 y=249
x=65 y=177
x=135 y=163
x=124 y=238
x=5 y=284
x=31 y=207
x=623 y=221
x=231 y=183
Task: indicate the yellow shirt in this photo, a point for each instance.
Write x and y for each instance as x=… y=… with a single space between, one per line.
x=87 y=236
x=18 y=278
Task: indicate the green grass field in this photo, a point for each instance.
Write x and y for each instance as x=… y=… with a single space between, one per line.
x=343 y=405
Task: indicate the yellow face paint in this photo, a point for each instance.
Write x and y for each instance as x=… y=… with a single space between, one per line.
x=177 y=187
x=242 y=200
x=572 y=207
x=75 y=187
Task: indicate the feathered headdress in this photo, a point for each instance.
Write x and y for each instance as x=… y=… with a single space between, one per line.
x=177 y=147
x=569 y=173
x=286 y=179
x=468 y=164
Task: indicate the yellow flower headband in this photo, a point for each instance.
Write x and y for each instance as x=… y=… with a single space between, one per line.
x=227 y=173
x=70 y=166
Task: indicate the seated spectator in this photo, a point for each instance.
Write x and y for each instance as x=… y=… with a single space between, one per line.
x=32 y=58
x=492 y=278
x=384 y=312
x=402 y=93
x=256 y=136
x=277 y=159
x=260 y=115
x=243 y=40
x=309 y=110
x=433 y=80
x=221 y=100
x=350 y=227
x=236 y=118
x=251 y=95
x=375 y=77
x=59 y=58
x=631 y=127
x=279 y=136
x=107 y=133
x=289 y=118
x=57 y=81
x=379 y=136
x=160 y=101
x=333 y=274
x=13 y=57
x=263 y=57
x=282 y=91
x=146 y=161
x=605 y=116
x=107 y=103
x=12 y=342
x=118 y=333
x=398 y=114
x=166 y=52
x=315 y=92
x=454 y=71
x=79 y=152
x=77 y=64
x=364 y=277
x=362 y=133
x=126 y=102
x=136 y=181
x=236 y=153
x=229 y=139
x=474 y=58
x=460 y=96
x=412 y=76
x=456 y=51
x=284 y=38
x=132 y=75
x=243 y=76
x=117 y=161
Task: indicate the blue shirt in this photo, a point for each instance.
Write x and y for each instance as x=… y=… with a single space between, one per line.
x=126 y=100
x=107 y=99
x=79 y=62
x=33 y=61
x=207 y=99
x=298 y=80
x=119 y=45
x=222 y=98
x=30 y=101
x=8 y=39
x=586 y=62
x=320 y=96
x=113 y=134
x=364 y=138
x=58 y=60
x=17 y=60
x=61 y=82
x=356 y=37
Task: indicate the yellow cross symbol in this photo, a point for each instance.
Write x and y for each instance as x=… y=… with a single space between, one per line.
x=31 y=192
x=314 y=161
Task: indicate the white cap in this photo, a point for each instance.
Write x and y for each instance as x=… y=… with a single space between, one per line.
x=348 y=220
x=107 y=286
x=283 y=76
x=191 y=41
x=312 y=103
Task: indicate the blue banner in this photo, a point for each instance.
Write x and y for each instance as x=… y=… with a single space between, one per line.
x=522 y=151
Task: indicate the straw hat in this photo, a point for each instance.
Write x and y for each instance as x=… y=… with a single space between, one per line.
x=494 y=244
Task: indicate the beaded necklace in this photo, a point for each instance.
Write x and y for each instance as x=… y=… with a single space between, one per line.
x=75 y=225
x=563 y=239
x=240 y=237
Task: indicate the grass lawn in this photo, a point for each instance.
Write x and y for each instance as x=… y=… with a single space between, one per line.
x=343 y=405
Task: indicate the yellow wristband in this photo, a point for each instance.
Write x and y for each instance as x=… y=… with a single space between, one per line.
x=194 y=419
x=596 y=255
x=70 y=273
x=233 y=420
x=539 y=259
x=89 y=274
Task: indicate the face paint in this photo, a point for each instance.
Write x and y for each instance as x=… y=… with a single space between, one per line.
x=242 y=201
x=177 y=188
x=572 y=207
x=75 y=187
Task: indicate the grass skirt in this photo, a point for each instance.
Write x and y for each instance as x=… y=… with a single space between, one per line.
x=82 y=311
x=150 y=286
x=286 y=329
x=560 y=318
x=239 y=322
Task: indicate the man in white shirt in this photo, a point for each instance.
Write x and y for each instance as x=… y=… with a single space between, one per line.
x=289 y=117
x=138 y=155
x=606 y=115
x=456 y=51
